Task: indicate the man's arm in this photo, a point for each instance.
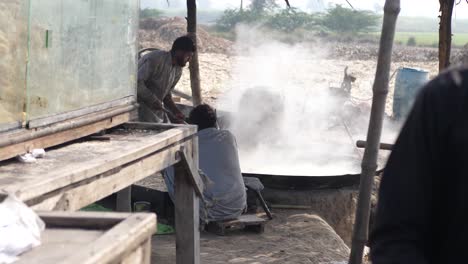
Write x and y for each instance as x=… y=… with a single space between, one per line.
x=409 y=191
x=171 y=106
x=145 y=72
x=169 y=103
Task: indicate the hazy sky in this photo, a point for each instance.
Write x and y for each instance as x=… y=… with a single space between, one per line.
x=428 y=8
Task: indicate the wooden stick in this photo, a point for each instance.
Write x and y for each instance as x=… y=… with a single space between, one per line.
x=369 y=162
x=182 y=94
x=192 y=172
x=384 y=146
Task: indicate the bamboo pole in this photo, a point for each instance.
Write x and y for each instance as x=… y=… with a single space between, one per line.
x=445 y=33
x=369 y=161
x=194 y=64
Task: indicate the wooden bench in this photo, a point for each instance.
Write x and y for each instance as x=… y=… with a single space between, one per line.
x=93 y=238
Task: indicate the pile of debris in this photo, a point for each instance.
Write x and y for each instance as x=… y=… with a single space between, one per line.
x=161 y=33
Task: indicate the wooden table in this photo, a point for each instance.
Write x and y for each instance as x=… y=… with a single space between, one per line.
x=82 y=172
x=93 y=238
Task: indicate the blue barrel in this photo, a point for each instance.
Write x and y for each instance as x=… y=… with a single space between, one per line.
x=407 y=85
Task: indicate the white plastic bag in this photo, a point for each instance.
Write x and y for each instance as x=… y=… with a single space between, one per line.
x=20 y=229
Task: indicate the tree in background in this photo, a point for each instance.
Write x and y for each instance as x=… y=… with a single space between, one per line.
x=445 y=33
x=262 y=6
x=291 y=19
x=341 y=20
x=411 y=42
x=232 y=17
x=150 y=13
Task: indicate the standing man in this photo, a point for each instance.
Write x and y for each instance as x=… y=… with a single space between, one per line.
x=158 y=73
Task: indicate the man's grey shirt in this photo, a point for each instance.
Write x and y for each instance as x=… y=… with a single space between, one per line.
x=157 y=77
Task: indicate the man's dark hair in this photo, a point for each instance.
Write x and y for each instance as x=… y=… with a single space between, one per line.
x=204 y=116
x=183 y=43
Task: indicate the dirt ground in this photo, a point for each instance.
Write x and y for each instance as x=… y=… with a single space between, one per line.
x=293 y=237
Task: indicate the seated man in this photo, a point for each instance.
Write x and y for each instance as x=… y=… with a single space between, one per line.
x=225 y=195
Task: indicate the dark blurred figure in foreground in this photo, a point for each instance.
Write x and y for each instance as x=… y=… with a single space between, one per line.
x=423 y=201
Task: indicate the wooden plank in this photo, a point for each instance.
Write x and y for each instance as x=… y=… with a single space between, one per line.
x=10 y=126
x=248 y=219
x=75 y=197
x=186 y=218
x=18 y=136
x=39 y=122
x=135 y=257
x=157 y=126
x=192 y=173
x=85 y=220
x=124 y=200
x=78 y=171
x=58 y=243
x=118 y=242
x=11 y=151
x=146 y=252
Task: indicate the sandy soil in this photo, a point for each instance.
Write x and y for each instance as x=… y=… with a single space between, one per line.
x=293 y=237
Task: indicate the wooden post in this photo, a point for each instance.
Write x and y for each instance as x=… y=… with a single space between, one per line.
x=124 y=200
x=369 y=162
x=194 y=65
x=186 y=217
x=445 y=33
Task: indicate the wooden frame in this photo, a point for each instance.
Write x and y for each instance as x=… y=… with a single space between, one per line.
x=44 y=121
x=116 y=238
x=112 y=169
x=21 y=141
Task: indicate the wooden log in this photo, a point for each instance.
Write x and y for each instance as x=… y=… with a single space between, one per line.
x=194 y=64
x=186 y=218
x=369 y=161
x=445 y=33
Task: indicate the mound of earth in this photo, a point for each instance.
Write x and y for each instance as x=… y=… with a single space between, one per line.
x=461 y=57
x=161 y=33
